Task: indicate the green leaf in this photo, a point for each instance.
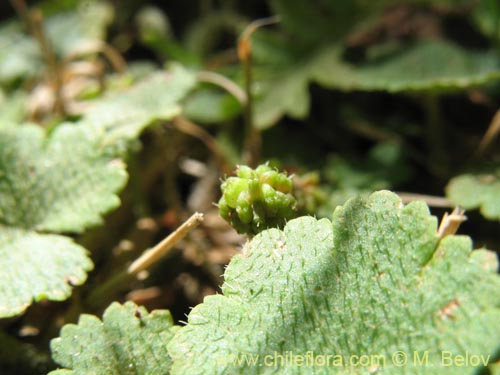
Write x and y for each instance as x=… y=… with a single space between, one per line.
x=316 y=21
x=473 y=191
x=285 y=65
x=65 y=182
x=487 y=15
x=414 y=67
x=375 y=281
x=323 y=19
x=121 y=115
x=37 y=266
x=20 y=54
x=287 y=94
x=383 y=168
x=56 y=183
x=129 y=340
x=211 y=107
x=12 y=108
x=67 y=31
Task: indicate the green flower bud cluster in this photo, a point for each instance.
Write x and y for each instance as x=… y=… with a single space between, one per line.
x=257 y=199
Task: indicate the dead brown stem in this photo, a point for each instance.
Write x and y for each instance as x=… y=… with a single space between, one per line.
x=490 y=135
x=34 y=22
x=253 y=138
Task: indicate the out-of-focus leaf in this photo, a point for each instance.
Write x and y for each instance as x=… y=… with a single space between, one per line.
x=87 y=23
x=312 y=50
x=287 y=94
x=12 y=108
x=121 y=115
x=384 y=168
x=415 y=67
x=211 y=107
x=155 y=32
x=487 y=16
x=20 y=54
x=203 y=36
x=473 y=191
x=319 y=20
x=377 y=280
x=316 y=21
x=57 y=183
x=153 y=24
x=128 y=340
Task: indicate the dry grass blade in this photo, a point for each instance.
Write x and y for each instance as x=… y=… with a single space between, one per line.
x=450 y=222
x=161 y=249
x=490 y=135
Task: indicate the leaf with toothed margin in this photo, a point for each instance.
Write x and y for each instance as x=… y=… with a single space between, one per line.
x=415 y=68
x=473 y=191
x=128 y=341
x=65 y=181
x=374 y=281
x=53 y=183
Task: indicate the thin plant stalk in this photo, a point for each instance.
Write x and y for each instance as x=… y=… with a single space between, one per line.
x=34 y=22
x=253 y=138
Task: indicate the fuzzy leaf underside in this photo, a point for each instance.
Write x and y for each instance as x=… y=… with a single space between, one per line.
x=56 y=183
x=49 y=183
x=378 y=282
x=128 y=341
x=37 y=266
x=64 y=182
x=473 y=191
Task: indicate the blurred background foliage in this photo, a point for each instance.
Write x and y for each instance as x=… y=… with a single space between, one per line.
x=348 y=96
